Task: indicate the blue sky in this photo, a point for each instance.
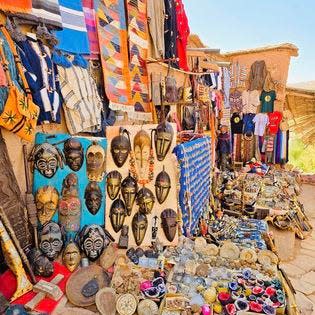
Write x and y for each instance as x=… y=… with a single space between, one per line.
x=239 y=24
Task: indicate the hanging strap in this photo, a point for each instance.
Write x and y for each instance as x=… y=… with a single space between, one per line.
x=17 y=61
x=5 y=64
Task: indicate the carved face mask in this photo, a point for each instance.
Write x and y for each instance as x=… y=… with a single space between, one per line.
x=113 y=184
x=145 y=200
x=93 y=241
x=129 y=189
x=139 y=227
x=46 y=200
x=71 y=256
x=73 y=152
x=117 y=214
x=169 y=223
x=142 y=149
x=163 y=138
x=50 y=240
x=120 y=147
x=40 y=264
x=95 y=162
x=46 y=159
x=93 y=197
x=162 y=186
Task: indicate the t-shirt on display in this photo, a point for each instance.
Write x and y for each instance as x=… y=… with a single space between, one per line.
x=261 y=121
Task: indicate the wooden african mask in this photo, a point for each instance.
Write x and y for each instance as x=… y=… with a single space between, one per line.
x=163 y=138
x=120 y=147
x=139 y=227
x=117 y=214
x=169 y=223
x=95 y=162
x=73 y=153
x=129 y=189
x=162 y=186
x=113 y=184
x=46 y=159
x=41 y=265
x=50 y=240
x=46 y=200
x=71 y=256
x=142 y=150
x=145 y=200
x=93 y=197
x=70 y=204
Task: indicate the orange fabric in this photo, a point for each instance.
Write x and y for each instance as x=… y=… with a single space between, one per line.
x=16 y=6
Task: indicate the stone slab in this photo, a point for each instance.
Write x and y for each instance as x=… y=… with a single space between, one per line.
x=292 y=270
x=302 y=286
x=304 y=262
x=305 y=305
x=309 y=278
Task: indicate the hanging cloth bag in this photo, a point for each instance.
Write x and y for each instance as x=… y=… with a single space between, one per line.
x=171 y=91
x=20 y=114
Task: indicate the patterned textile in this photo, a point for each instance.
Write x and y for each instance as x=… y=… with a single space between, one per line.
x=194 y=158
x=16 y=6
x=90 y=21
x=238 y=74
x=138 y=51
x=73 y=38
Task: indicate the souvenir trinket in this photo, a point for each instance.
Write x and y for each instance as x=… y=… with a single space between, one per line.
x=117 y=214
x=46 y=158
x=46 y=200
x=70 y=204
x=93 y=240
x=50 y=240
x=155 y=229
x=229 y=250
x=73 y=152
x=145 y=200
x=41 y=265
x=106 y=301
x=129 y=189
x=93 y=197
x=126 y=304
x=124 y=238
x=120 y=147
x=210 y=295
x=71 y=256
x=249 y=255
x=146 y=307
x=267 y=258
x=95 y=162
x=108 y=256
x=169 y=223
x=84 y=283
x=139 y=227
x=113 y=184
x=163 y=138
x=162 y=186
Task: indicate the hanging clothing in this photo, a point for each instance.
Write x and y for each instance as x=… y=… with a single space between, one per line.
x=269 y=84
x=226 y=86
x=16 y=6
x=170 y=30
x=82 y=104
x=156 y=18
x=73 y=38
x=236 y=101
x=42 y=77
x=261 y=121
x=90 y=21
x=238 y=75
x=274 y=122
x=183 y=32
x=236 y=123
x=257 y=75
x=248 y=124
x=250 y=100
x=267 y=101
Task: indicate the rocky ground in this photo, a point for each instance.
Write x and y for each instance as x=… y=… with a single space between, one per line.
x=301 y=269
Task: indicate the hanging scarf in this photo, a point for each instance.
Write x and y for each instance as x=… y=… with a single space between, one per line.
x=16 y=6
x=73 y=38
x=90 y=21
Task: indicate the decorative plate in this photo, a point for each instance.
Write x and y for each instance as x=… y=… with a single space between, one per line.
x=126 y=304
x=106 y=301
x=147 y=307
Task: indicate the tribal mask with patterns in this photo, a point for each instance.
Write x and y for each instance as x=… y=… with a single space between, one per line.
x=46 y=200
x=50 y=240
x=139 y=227
x=73 y=152
x=145 y=200
x=169 y=223
x=117 y=214
x=113 y=184
x=41 y=265
x=46 y=159
x=120 y=147
x=71 y=256
x=95 y=162
x=162 y=186
x=163 y=138
x=93 y=197
x=129 y=189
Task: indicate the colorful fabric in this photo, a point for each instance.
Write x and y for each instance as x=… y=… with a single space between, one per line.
x=73 y=38
x=112 y=35
x=16 y=6
x=267 y=101
x=274 y=122
x=236 y=101
x=138 y=52
x=90 y=21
